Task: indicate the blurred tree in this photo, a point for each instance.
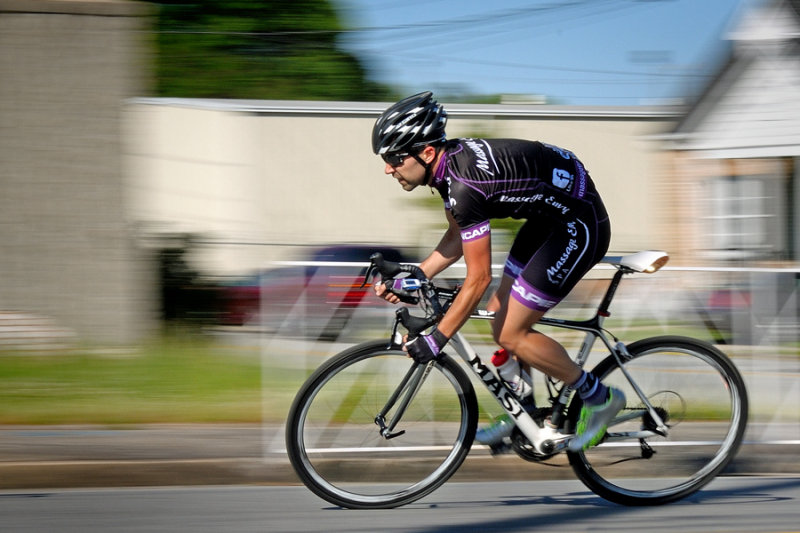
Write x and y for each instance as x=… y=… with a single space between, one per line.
x=260 y=49
x=187 y=297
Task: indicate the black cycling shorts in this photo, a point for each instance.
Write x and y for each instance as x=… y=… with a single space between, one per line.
x=549 y=257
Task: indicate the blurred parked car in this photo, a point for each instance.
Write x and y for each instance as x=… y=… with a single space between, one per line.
x=317 y=299
x=762 y=306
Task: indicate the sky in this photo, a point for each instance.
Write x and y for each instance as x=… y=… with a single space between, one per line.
x=572 y=52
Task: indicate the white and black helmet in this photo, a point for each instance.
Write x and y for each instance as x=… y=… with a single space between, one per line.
x=410 y=123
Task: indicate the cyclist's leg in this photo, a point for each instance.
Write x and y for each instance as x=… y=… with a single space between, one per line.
x=522 y=249
x=528 y=239
x=546 y=261
x=512 y=331
x=568 y=252
x=500 y=296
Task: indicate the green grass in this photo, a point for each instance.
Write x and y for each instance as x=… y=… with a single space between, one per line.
x=172 y=381
x=183 y=379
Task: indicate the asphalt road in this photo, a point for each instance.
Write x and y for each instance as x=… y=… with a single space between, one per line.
x=85 y=457
x=731 y=504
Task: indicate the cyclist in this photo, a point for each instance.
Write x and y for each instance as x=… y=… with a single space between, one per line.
x=566 y=232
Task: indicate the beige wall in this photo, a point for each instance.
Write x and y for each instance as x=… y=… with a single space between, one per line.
x=268 y=173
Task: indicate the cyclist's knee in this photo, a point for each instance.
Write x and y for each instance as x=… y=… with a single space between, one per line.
x=507 y=339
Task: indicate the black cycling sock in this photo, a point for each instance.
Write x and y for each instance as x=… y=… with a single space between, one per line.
x=590 y=389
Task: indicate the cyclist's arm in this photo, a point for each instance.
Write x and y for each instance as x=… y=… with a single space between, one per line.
x=478 y=257
x=447 y=252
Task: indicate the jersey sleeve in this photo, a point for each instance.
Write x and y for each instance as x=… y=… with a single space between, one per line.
x=468 y=207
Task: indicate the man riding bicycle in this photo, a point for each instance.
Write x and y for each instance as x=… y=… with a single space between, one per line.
x=566 y=233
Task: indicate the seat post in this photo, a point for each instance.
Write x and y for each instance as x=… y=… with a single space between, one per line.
x=602 y=310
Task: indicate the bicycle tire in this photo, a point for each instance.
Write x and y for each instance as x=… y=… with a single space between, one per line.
x=336 y=448
x=704 y=399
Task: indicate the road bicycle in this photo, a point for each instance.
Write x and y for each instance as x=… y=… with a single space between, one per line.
x=371 y=428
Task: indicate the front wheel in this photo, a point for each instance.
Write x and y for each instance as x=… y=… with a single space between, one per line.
x=337 y=448
x=700 y=395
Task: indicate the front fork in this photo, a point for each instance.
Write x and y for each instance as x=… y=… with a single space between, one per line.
x=408 y=389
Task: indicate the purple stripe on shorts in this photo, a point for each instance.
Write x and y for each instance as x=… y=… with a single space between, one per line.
x=512 y=268
x=531 y=297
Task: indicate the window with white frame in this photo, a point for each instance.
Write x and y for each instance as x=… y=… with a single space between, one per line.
x=748 y=216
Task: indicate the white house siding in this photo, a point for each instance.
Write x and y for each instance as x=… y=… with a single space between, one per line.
x=757 y=116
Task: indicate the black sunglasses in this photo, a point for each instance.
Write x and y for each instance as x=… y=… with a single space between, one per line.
x=395 y=159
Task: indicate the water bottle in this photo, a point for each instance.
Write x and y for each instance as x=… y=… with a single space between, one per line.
x=521 y=385
x=518 y=380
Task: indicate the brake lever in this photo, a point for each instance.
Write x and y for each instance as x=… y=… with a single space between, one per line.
x=370 y=273
x=393 y=343
x=414 y=324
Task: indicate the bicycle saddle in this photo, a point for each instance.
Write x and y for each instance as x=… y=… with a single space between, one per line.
x=647 y=261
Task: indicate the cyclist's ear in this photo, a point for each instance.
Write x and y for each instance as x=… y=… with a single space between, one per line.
x=428 y=154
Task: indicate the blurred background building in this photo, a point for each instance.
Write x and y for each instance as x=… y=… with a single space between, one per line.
x=103 y=188
x=737 y=149
x=258 y=179
x=70 y=263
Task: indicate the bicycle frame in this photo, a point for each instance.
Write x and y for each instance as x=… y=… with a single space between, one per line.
x=353 y=403
x=548 y=439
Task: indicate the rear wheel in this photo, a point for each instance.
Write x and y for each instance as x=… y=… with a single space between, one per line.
x=336 y=446
x=700 y=395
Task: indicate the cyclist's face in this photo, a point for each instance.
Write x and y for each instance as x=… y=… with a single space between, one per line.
x=409 y=173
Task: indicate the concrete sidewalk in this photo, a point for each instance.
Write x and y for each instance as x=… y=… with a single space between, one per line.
x=64 y=457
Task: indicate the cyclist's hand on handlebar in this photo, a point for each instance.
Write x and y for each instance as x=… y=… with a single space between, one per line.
x=397 y=290
x=425 y=348
x=381 y=291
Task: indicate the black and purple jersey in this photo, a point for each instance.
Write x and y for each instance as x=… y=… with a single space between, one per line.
x=482 y=179
x=567 y=230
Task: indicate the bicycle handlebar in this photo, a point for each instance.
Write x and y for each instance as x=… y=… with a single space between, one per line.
x=389 y=270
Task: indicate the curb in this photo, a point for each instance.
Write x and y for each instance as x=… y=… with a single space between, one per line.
x=276 y=470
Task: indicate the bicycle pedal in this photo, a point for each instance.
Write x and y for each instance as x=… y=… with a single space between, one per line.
x=500 y=448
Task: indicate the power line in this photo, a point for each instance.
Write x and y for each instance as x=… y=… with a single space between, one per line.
x=471 y=32
x=488 y=23
x=486 y=20
x=570 y=69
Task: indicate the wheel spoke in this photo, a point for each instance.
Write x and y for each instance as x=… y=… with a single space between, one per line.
x=700 y=396
x=340 y=452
